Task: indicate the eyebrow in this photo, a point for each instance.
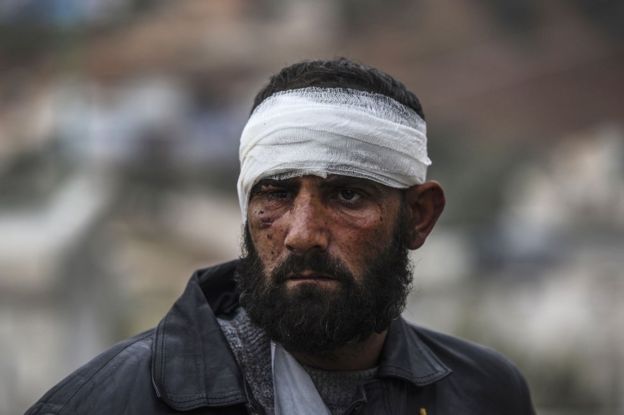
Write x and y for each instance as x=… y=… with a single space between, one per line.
x=338 y=180
x=333 y=180
x=286 y=183
x=277 y=182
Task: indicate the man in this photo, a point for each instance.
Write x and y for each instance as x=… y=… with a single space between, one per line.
x=333 y=195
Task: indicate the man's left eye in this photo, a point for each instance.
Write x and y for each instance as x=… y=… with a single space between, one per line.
x=349 y=195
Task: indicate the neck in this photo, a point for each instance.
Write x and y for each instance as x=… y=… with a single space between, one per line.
x=357 y=356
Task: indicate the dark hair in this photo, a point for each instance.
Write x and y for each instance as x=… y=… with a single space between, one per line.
x=338 y=73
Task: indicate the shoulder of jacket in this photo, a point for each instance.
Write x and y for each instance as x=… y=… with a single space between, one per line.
x=104 y=375
x=457 y=352
x=478 y=368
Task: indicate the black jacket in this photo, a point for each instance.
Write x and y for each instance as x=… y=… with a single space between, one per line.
x=185 y=365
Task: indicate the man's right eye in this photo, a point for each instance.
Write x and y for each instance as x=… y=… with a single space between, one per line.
x=271 y=193
x=279 y=194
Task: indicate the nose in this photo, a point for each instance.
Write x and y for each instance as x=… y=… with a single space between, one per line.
x=307 y=225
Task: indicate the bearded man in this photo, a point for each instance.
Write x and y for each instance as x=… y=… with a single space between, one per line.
x=333 y=193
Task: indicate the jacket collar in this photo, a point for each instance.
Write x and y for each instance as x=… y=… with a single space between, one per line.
x=405 y=356
x=192 y=365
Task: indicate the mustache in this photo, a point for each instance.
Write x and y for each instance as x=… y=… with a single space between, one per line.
x=316 y=261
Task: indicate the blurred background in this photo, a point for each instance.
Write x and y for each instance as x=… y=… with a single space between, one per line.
x=119 y=125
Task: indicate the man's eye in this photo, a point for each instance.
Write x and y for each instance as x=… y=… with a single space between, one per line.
x=278 y=194
x=349 y=195
x=275 y=192
x=271 y=193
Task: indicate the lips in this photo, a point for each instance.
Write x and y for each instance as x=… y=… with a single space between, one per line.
x=310 y=275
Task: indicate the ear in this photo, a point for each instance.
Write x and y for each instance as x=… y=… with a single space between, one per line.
x=425 y=203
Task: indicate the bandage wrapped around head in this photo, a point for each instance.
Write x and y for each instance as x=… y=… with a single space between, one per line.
x=323 y=131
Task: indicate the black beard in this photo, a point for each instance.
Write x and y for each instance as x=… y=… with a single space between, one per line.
x=312 y=320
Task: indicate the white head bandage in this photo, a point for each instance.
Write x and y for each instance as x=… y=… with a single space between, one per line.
x=321 y=131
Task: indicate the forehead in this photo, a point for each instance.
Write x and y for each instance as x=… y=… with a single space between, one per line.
x=330 y=180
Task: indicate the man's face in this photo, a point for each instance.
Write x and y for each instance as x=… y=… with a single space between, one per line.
x=326 y=260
